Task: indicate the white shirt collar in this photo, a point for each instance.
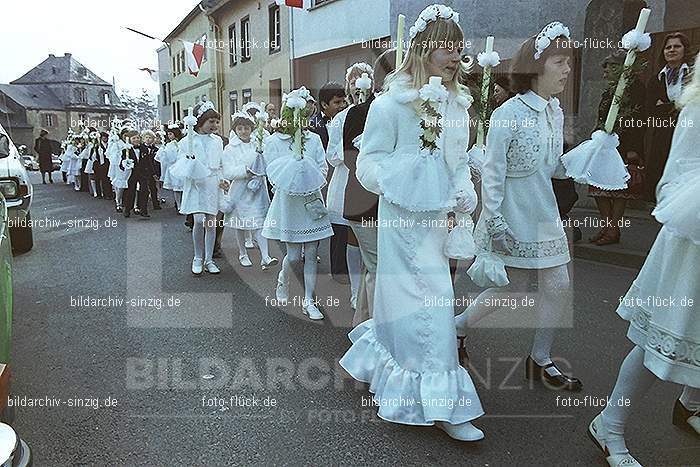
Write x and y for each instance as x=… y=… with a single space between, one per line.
x=683 y=70
x=537 y=102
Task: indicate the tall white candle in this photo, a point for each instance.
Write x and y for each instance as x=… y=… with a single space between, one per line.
x=399 y=40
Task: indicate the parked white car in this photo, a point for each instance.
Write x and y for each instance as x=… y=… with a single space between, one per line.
x=17 y=190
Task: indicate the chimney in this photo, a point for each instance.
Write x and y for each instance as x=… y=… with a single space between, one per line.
x=67 y=55
x=52 y=56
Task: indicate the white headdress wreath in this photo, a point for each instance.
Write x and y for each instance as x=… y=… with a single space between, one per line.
x=242 y=114
x=204 y=106
x=547 y=35
x=432 y=13
x=361 y=67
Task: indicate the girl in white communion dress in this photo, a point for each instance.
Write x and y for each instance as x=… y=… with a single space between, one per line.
x=407 y=351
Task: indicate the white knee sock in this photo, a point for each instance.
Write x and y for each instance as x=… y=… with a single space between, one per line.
x=178 y=199
x=633 y=382
x=354 y=260
x=262 y=244
x=310 y=268
x=119 y=196
x=554 y=300
x=198 y=236
x=209 y=238
x=690 y=398
x=240 y=239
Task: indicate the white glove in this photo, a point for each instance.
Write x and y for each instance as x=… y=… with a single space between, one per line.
x=501 y=241
x=466 y=201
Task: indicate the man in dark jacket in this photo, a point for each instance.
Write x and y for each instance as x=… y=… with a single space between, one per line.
x=361 y=205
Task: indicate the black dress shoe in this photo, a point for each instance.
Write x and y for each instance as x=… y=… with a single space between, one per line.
x=535 y=372
x=681 y=416
x=462 y=354
x=216 y=254
x=157 y=208
x=127 y=214
x=144 y=214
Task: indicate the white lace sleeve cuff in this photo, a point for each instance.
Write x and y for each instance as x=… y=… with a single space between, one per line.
x=496 y=224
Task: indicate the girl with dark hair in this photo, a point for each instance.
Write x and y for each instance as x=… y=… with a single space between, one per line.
x=167 y=156
x=520 y=226
x=199 y=165
x=249 y=198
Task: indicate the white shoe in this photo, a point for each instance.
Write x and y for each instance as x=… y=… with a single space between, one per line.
x=197 y=264
x=461 y=432
x=598 y=432
x=282 y=291
x=212 y=268
x=249 y=244
x=268 y=262
x=311 y=311
x=245 y=261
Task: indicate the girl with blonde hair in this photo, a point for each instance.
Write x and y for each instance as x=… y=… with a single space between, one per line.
x=413 y=155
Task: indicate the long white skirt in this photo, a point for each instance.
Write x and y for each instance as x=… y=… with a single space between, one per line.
x=407 y=352
x=658 y=306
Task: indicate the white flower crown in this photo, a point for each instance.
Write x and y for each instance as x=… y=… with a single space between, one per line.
x=432 y=13
x=251 y=105
x=204 y=106
x=362 y=67
x=547 y=35
x=243 y=114
x=363 y=82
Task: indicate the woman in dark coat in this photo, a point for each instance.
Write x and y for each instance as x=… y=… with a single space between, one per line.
x=42 y=146
x=663 y=90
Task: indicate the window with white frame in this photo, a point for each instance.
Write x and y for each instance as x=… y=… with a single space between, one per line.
x=232 y=46
x=245 y=39
x=275 y=37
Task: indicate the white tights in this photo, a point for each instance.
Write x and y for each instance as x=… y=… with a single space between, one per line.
x=293 y=258
x=119 y=197
x=241 y=236
x=204 y=236
x=178 y=199
x=633 y=381
x=553 y=299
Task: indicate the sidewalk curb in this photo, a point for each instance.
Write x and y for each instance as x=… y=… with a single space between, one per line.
x=609 y=255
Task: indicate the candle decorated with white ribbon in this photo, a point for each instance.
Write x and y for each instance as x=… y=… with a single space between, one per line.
x=486 y=80
x=399 y=40
x=622 y=83
x=190 y=131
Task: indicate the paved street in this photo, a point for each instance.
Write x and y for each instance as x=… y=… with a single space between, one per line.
x=225 y=378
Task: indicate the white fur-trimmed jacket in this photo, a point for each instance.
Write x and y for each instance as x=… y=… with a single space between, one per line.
x=391 y=142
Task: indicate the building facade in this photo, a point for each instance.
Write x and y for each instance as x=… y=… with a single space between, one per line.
x=333 y=34
x=186 y=90
x=58 y=94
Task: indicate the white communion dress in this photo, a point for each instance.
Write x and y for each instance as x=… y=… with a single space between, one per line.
x=201 y=175
x=167 y=156
x=523 y=150
x=297 y=187
x=339 y=179
x=250 y=201
x=663 y=303
x=407 y=352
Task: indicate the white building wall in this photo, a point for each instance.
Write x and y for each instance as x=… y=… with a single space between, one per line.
x=338 y=23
